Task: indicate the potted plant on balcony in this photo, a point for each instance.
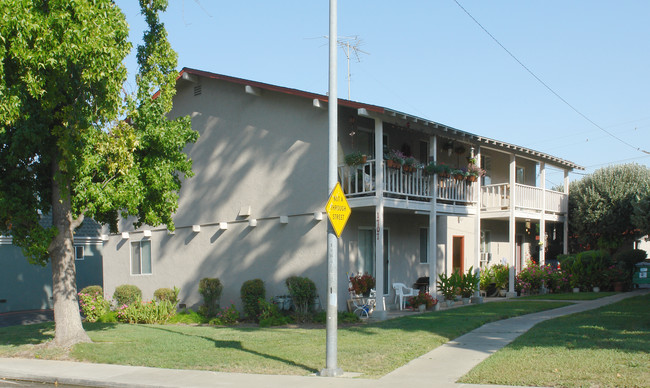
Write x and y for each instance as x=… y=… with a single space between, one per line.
x=474 y=172
x=394 y=159
x=459 y=174
x=409 y=164
x=361 y=284
x=355 y=158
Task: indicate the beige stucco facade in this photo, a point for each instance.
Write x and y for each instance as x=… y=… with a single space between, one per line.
x=254 y=208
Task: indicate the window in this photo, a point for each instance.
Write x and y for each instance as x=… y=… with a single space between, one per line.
x=366 y=262
x=141 y=257
x=78 y=252
x=486 y=164
x=520 y=176
x=424 y=245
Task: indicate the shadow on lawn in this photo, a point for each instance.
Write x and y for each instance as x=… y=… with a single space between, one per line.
x=236 y=345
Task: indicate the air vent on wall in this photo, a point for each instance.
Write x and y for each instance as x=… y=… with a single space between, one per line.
x=197 y=90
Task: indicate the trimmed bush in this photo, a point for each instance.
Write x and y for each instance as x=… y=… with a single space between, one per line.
x=303 y=292
x=92 y=290
x=167 y=294
x=93 y=305
x=626 y=261
x=127 y=294
x=210 y=289
x=251 y=292
x=146 y=312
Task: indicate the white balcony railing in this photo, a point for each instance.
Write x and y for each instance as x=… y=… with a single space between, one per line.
x=360 y=180
x=497 y=197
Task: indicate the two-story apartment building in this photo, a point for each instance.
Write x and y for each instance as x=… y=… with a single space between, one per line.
x=255 y=207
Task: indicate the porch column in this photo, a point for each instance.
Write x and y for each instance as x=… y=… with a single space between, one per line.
x=379 y=219
x=542 y=220
x=477 y=229
x=433 y=223
x=565 y=244
x=511 y=223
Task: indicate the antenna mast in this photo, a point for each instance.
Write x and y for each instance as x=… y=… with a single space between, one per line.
x=350 y=44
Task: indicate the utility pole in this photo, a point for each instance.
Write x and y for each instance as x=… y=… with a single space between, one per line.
x=331 y=367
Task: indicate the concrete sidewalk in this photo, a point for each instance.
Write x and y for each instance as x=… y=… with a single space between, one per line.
x=440 y=367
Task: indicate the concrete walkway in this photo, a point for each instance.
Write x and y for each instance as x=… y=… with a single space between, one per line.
x=440 y=368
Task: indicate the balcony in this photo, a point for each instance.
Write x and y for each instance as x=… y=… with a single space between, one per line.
x=360 y=181
x=528 y=198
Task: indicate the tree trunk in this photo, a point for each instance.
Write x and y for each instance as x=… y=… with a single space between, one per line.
x=67 y=320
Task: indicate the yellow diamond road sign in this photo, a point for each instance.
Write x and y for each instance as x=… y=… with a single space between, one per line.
x=337 y=209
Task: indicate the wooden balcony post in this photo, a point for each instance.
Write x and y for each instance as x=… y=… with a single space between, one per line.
x=542 y=221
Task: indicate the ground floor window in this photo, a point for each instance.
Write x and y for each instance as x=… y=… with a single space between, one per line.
x=424 y=245
x=141 y=257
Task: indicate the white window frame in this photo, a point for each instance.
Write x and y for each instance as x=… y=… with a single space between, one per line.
x=77 y=249
x=139 y=258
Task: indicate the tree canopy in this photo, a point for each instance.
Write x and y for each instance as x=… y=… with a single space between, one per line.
x=602 y=206
x=72 y=143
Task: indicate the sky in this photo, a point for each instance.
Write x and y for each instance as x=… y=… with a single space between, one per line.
x=463 y=63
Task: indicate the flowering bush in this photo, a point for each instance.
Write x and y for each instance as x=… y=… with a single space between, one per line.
x=555 y=280
x=146 y=312
x=93 y=306
x=226 y=316
x=530 y=279
x=362 y=284
x=422 y=298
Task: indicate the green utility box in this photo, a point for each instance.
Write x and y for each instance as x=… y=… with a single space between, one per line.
x=641 y=274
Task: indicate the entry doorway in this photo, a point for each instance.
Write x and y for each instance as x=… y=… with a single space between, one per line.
x=458 y=254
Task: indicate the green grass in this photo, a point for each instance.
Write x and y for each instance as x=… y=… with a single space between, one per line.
x=608 y=346
x=570 y=296
x=372 y=349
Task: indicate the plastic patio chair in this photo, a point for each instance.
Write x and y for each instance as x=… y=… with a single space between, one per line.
x=403 y=292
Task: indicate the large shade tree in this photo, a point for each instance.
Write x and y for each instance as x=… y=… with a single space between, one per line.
x=73 y=145
x=602 y=206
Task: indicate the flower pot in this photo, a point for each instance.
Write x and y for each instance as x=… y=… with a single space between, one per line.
x=471 y=178
x=393 y=164
x=449 y=303
x=596 y=289
x=422 y=308
x=465 y=300
x=576 y=289
x=502 y=292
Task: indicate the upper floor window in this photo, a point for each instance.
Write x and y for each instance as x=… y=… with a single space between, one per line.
x=520 y=176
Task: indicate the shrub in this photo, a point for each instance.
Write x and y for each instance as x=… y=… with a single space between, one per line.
x=626 y=260
x=530 y=279
x=146 y=312
x=92 y=290
x=501 y=276
x=422 y=298
x=468 y=283
x=93 y=305
x=251 y=292
x=555 y=280
x=447 y=285
x=108 y=317
x=586 y=269
x=188 y=317
x=167 y=294
x=303 y=292
x=127 y=294
x=210 y=289
x=487 y=278
x=227 y=316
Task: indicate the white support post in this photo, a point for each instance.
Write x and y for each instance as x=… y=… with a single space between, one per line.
x=380 y=312
x=433 y=224
x=542 y=220
x=477 y=229
x=565 y=245
x=512 y=225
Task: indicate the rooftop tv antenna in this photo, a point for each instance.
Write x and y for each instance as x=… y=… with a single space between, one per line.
x=350 y=46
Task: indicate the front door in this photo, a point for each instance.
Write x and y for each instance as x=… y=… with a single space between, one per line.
x=458 y=254
x=366 y=262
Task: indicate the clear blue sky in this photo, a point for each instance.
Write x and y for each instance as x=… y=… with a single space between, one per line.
x=430 y=59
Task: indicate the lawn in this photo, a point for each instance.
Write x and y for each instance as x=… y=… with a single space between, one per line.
x=372 y=349
x=609 y=346
x=569 y=296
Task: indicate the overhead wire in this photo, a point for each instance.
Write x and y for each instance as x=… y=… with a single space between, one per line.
x=546 y=85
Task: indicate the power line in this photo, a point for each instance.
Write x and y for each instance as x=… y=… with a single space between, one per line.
x=546 y=86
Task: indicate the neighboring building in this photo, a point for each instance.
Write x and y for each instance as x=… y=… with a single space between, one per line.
x=26 y=286
x=255 y=207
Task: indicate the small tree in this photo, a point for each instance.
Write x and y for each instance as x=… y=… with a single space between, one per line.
x=601 y=206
